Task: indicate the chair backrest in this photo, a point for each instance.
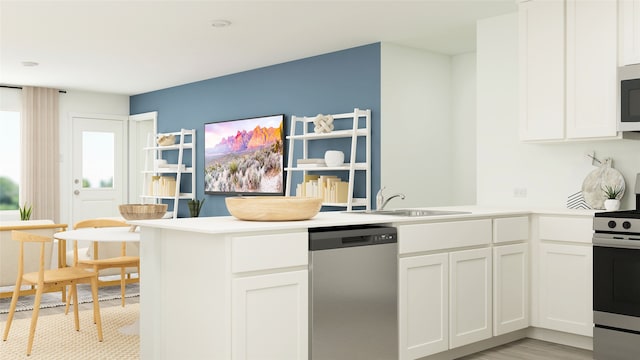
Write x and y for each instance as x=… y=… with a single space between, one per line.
x=26 y=237
x=106 y=250
x=9 y=249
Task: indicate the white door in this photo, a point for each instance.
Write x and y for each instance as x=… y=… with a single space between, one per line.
x=469 y=296
x=510 y=288
x=99 y=166
x=423 y=305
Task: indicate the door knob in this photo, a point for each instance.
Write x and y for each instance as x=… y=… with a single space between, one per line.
x=76 y=192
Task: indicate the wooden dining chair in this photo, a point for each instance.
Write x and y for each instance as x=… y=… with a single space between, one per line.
x=123 y=261
x=45 y=279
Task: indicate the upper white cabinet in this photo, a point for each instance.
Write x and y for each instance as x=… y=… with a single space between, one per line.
x=567 y=69
x=629 y=27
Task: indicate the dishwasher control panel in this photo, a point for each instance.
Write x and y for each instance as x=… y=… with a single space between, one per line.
x=349 y=236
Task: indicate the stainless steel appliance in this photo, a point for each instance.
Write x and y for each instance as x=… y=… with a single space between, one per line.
x=616 y=283
x=629 y=98
x=353 y=292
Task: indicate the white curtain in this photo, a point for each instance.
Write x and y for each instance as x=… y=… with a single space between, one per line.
x=40 y=174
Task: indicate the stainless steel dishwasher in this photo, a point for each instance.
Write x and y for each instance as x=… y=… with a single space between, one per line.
x=353 y=293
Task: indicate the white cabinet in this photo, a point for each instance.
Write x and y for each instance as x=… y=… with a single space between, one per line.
x=510 y=274
x=163 y=179
x=567 y=69
x=566 y=289
x=355 y=127
x=629 y=32
x=269 y=316
x=469 y=296
x=563 y=278
x=510 y=288
x=423 y=306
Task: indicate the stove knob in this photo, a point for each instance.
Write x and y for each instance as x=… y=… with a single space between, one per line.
x=611 y=224
x=626 y=225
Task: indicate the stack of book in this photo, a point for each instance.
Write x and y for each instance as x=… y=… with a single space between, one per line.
x=329 y=188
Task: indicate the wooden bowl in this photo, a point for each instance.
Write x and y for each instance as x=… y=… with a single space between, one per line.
x=142 y=211
x=273 y=208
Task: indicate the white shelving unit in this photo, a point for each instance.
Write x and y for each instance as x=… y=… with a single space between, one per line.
x=358 y=132
x=185 y=140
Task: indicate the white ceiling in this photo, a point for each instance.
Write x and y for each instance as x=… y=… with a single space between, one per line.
x=132 y=47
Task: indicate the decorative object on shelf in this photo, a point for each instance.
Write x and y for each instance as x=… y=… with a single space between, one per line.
x=597 y=180
x=323 y=124
x=166 y=140
x=613 y=195
x=334 y=158
x=194 y=207
x=329 y=188
x=273 y=208
x=25 y=212
x=142 y=211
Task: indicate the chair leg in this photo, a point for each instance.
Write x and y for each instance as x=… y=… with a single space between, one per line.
x=67 y=302
x=12 y=308
x=34 y=318
x=122 y=284
x=74 y=295
x=96 y=306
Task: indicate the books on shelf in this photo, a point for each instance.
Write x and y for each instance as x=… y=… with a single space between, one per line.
x=311 y=163
x=329 y=188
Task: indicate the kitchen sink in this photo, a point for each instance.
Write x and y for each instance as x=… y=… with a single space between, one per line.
x=411 y=212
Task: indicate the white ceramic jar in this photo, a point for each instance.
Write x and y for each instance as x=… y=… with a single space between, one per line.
x=334 y=158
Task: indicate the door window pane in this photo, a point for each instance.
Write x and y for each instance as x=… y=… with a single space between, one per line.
x=97 y=159
x=9 y=165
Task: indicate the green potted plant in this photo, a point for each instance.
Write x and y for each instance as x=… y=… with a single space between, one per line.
x=612 y=197
x=194 y=207
x=25 y=212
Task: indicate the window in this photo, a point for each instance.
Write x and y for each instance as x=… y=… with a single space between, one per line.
x=10 y=160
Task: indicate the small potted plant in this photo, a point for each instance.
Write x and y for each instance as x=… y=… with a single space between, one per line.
x=194 y=207
x=612 y=197
x=25 y=212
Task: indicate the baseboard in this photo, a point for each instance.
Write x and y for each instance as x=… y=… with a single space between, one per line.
x=559 y=337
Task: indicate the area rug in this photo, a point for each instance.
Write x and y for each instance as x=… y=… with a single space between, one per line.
x=56 y=337
x=54 y=299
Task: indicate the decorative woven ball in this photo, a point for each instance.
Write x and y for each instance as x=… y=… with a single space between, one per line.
x=323 y=124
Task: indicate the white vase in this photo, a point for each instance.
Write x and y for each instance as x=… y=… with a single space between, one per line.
x=612 y=204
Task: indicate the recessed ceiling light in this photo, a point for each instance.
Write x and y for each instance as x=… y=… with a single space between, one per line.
x=29 y=63
x=220 y=23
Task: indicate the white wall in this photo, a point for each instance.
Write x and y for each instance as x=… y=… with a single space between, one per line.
x=416 y=126
x=463 y=139
x=74 y=103
x=548 y=172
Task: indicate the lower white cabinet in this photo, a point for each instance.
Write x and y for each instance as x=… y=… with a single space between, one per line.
x=566 y=288
x=423 y=305
x=510 y=288
x=469 y=296
x=269 y=316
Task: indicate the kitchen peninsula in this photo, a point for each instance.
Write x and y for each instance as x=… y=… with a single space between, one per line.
x=221 y=288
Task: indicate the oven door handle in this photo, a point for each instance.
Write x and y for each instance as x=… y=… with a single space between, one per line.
x=616 y=243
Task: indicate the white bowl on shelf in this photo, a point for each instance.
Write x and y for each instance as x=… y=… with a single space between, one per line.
x=334 y=158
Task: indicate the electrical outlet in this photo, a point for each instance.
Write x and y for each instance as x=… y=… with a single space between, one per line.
x=520 y=192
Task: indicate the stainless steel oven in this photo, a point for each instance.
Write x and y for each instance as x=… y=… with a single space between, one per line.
x=616 y=284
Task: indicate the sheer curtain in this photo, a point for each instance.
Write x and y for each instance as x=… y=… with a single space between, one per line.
x=40 y=174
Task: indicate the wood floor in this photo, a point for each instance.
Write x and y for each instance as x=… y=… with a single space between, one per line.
x=531 y=349
x=525 y=349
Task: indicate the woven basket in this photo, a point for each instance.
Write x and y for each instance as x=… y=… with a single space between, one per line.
x=142 y=211
x=166 y=140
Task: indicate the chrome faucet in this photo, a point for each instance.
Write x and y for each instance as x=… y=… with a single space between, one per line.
x=381 y=202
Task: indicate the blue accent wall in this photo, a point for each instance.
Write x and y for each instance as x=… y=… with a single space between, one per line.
x=331 y=83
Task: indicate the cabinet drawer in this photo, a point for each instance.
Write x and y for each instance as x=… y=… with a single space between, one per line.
x=271 y=251
x=566 y=228
x=436 y=236
x=511 y=229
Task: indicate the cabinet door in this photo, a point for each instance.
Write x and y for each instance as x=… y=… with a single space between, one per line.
x=542 y=61
x=469 y=296
x=566 y=288
x=510 y=288
x=629 y=27
x=270 y=316
x=591 y=68
x=423 y=305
